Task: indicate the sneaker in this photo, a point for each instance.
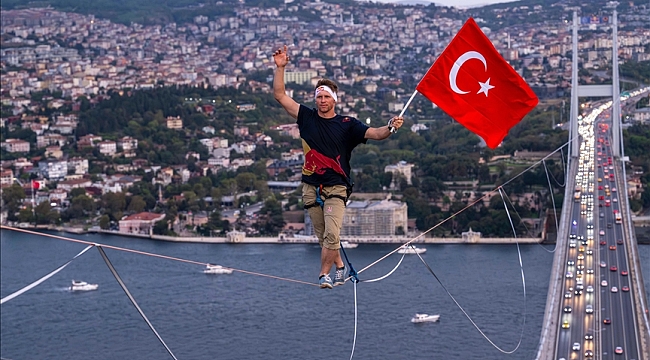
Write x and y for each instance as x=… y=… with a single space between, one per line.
x=339 y=276
x=325 y=282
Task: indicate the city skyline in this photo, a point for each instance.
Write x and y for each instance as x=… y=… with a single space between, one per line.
x=461 y=4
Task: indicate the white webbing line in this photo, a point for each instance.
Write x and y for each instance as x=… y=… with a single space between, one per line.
x=39 y=281
x=389 y=273
x=354 y=339
x=550 y=190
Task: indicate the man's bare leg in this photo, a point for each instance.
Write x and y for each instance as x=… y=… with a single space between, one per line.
x=329 y=257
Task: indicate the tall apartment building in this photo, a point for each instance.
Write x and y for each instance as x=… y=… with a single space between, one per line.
x=54 y=170
x=299 y=77
x=368 y=218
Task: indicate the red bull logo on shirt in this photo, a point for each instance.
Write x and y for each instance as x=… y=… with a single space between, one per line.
x=316 y=162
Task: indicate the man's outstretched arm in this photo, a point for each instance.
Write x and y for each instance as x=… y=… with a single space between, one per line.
x=383 y=132
x=281 y=59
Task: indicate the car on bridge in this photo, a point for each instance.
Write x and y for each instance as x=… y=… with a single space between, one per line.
x=614 y=289
x=567 y=309
x=623 y=272
x=612 y=247
x=603 y=283
x=589 y=309
x=565 y=324
x=576 y=346
x=607 y=321
x=619 y=241
x=613 y=268
x=589 y=354
x=625 y=288
x=590 y=289
x=618 y=350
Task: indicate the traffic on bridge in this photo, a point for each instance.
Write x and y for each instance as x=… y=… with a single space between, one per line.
x=597 y=317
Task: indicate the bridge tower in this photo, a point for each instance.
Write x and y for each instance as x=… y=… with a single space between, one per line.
x=612 y=90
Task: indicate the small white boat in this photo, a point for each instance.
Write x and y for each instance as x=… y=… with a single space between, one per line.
x=82 y=286
x=217 y=269
x=411 y=249
x=422 y=318
x=348 y=245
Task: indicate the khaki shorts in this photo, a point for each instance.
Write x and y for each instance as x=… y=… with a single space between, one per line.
x=327 y=221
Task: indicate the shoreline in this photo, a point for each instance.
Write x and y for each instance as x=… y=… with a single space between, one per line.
x=287 y=240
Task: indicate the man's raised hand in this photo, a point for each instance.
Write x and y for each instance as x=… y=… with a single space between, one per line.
x=281 y=57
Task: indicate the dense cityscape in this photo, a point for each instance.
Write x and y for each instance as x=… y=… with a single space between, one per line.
x=171 y=129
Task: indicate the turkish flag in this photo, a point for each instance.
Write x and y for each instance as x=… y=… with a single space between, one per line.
x=472 y=83
x=35 y=185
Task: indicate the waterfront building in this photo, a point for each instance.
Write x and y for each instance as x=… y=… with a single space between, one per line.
x=370 y=218
x=140 y=223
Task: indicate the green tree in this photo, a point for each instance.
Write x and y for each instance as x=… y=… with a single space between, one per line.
x=136 y=204
x=13 y=197
x=114 y=205
x=271 y=221
x=104 y=222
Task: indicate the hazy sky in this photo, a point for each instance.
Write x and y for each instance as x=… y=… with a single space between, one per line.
x=458 y=3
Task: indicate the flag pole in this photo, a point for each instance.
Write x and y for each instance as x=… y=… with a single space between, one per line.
x=392 y=129
x=33 y=203
x=408 y=103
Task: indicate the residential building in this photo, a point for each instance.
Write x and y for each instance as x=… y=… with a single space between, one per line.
x=107 y=148
x=53 y=151
x=68 y=185
x=50 y=139
x=293 y=154
x=244 y=147
x=6 y=177
x=53 y=170
x=642 y=115
x=240 y=131
x=89 y=140
x=219 y=161
x=15 y=145
x=279 y=166
x=79 y=165
x=127 y=143
x=57 y=196
x=288 y=130
x=401 y=169
x=140 y=223
x=246 y=107
x=174 y=123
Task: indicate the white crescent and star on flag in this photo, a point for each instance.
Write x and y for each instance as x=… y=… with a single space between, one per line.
x=485 y=86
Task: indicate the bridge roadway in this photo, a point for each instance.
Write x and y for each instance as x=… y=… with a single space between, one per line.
x=605 y=264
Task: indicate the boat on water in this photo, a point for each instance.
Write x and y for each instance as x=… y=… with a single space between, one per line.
x=422 y=318
x=216 y=269
x=411 y=249
x=82 y=286
x=348 y=245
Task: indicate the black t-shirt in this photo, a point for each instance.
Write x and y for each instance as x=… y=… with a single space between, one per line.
x=327 y=145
